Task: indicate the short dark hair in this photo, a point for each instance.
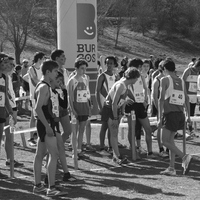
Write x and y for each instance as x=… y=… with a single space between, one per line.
x=193 y=59
x=111 y=58
x=197 y=63
x=169 y=65
x=60 y=75
x=79 y=62
x=157 y=62
x=48 y=65
x=18 y=67
x=146 y=61
x=37 y=56
x=3 y=56
x=56 y=53
x=136 y=62
x=131 y=73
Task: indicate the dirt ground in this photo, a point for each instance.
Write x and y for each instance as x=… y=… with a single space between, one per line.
x=99 y=178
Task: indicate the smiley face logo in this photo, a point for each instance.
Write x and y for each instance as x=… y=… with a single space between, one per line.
x=86 y=27
x=89 y=31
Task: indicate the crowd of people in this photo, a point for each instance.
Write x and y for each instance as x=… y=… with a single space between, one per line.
x=148 y=87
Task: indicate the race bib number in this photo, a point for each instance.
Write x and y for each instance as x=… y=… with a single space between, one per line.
x=192 y=78
x=192 y=87
x=177 y=97
x=139 y=97
x=81 y=96
x=2 y=99
x=192 y=98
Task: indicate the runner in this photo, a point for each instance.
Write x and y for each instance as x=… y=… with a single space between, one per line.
x=104 y=83
x=190 y=76
x=35 y=74
x=59 y=100
x=47 y=140
x=138 y=103
x=78 y=101
x=11 y=96
x=171 y=117
x=58 y=55
x=88 y=147
x=113 y=109
x=155 y=96
x=5 y=107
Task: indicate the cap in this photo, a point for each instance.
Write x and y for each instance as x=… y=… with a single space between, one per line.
x=25 y=60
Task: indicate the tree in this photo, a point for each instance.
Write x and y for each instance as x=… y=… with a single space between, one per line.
x=103 y=7
x=144 y=13
x=17 y=18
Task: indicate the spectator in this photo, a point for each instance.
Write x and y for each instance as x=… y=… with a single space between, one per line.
x=24 y=67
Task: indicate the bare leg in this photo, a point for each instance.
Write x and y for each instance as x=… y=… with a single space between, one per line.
x=65 y=122
x=51 y=144
x=104 y=128
x=61 y=150
x=88 y=132
x=147 y=128
x=37 y=165
x=168 y=141
x=114 y=139
x=80 y=134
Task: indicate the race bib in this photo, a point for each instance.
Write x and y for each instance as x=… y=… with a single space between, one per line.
x=139 y=97
x=2 y=99
x=192 y=78
x=55 y=103
x=192 y=98
x=192 y=87
x=177 y=97
x=81 y=96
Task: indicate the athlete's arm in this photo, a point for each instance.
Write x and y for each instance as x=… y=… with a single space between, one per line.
x=71 y=96
x=164 y=84
x=145 y=90
x=186 y=73
x=99 y=85
x=116 y=97
x=187 y=104
x=33 y=76
x=42 y=96
x=155 y=88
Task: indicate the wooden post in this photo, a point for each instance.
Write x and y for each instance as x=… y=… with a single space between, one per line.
x=121 y=129
x=23 y=140
x=74 y=140
x=184 y=138
x=12 y=129
x=134 y=155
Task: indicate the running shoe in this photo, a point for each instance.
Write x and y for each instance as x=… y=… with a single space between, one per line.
x=141 y=150
x=90 y=148
x=16 y=164
x=151 y=155
x=163 y=154
x=120 y=161
x=68 y=177
x=39 y=189
x=186 y=162
x=103 y=152
x=110 y=150
x=55 y=192
x=3 y=176
x=169 y=171
x=32 y=142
